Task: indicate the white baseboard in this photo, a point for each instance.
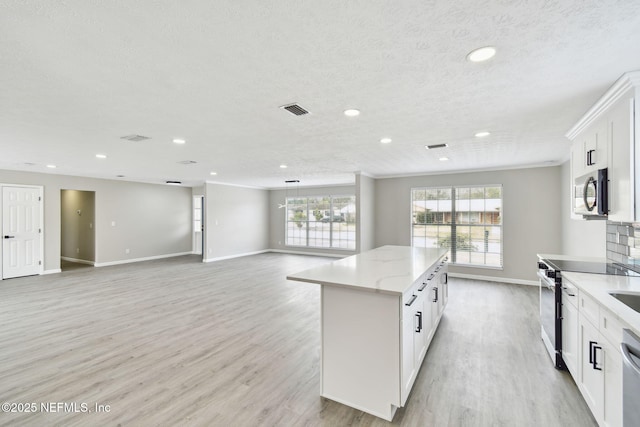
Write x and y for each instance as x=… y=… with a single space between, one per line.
x=281 y=251
x=220 y=258
x=53 y=271
x=495 y=279
x=79 y=261
x=128 y=261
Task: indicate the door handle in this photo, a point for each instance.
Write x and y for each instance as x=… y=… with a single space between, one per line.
x=9 y=237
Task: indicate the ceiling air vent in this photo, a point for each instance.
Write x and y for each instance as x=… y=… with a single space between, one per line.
x=431 y=147
x=295 y=109
x=135 y=138
x=187 y=162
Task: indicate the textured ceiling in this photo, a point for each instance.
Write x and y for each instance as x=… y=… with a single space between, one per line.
x=78 y=75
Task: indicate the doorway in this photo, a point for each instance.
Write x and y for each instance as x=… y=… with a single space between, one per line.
x=77 y=229
x=198 y=224
x=22 y=231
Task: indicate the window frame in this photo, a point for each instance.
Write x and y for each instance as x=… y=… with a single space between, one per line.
x=351 y=243
x=454 y=222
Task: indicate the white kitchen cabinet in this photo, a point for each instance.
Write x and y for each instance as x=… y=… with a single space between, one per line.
x=376 y=325
x=605 y=138
x=600 y=372
x=621 y=168
x=589 y=151
x=590 y=377
x=570 y=327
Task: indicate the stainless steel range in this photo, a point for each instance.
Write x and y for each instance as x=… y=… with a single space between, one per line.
x=550 y=274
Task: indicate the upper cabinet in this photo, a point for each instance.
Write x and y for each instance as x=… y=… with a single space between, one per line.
x=605 y=138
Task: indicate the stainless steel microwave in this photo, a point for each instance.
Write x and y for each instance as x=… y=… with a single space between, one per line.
x=591 y=194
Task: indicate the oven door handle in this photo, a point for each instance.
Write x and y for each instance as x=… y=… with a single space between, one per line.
x=545 y=280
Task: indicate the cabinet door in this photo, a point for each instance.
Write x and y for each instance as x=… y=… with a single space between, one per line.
x=591 y=378
x=621 y=167
x=570 y=329
x=596 y=146
x=420 y=333
x=612 y=410
x=444 y=284
x=578 y=159
x=408 y=357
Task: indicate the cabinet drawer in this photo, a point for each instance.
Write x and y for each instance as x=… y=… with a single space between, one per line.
x=569 y=293
x=589 y=308
x=611 y=328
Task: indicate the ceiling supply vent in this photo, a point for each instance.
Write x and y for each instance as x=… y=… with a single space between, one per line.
x=135 y=138
x=431 y=147
x=171 y=182
x=187 y=162
x=295 y=109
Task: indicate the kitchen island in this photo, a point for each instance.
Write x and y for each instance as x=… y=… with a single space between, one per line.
x=379 y=312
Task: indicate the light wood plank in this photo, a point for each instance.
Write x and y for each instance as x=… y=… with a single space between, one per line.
x=179 y=342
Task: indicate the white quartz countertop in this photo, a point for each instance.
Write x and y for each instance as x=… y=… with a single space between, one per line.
x=598 y=286
x=387 y=269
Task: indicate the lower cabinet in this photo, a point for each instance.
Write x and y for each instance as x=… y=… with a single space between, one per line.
x=570 y=330
x=422 y=310
x=599 y=375
x=591 y=378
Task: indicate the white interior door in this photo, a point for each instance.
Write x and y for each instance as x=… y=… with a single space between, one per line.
x=21 y=231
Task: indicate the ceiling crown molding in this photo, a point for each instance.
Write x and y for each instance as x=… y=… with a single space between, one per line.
x=620 y=87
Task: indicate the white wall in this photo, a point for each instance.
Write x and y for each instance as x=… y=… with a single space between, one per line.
x=236 y=221
x=531 y=215
x=365 y=213
x=277 y=221
x=579 y=237
x=151 y=220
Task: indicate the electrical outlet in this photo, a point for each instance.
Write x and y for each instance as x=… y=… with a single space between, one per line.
x=77 y=250
x=127 y=251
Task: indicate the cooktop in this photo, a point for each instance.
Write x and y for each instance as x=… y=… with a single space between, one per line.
x=591 y=267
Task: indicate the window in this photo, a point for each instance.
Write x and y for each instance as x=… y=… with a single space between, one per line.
x=468 y=220
x=321 y=222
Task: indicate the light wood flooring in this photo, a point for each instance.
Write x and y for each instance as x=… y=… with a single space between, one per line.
x=178 y=343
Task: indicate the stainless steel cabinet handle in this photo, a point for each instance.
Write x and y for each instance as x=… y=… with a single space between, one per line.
x=9 y=237
x=419 y=316
x=435 y=299
x=424 y=285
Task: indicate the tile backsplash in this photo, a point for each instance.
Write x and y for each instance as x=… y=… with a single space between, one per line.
x=623 y=242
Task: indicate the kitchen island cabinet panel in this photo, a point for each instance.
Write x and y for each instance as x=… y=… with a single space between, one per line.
x=378 y=315
x=362 y=325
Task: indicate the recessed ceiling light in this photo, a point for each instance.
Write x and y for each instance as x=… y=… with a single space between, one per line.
x=283 y=166
x=482 y=134
x=481 y=54
x=51 y=166
x=179 y=141
x=101 y=156
x=213 y=173
x=351 y=113
x=385 y=140
x=443 y=159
